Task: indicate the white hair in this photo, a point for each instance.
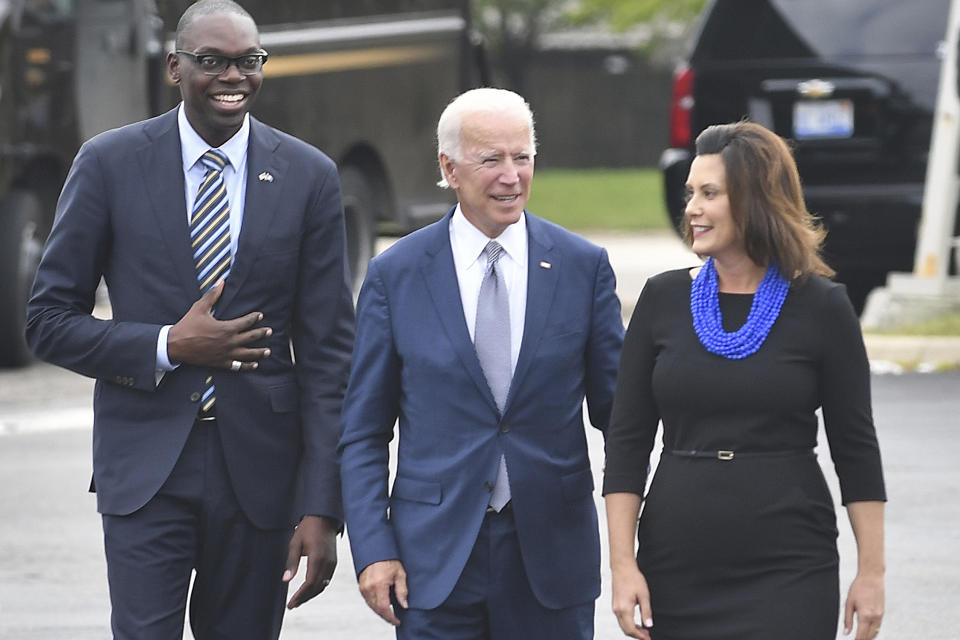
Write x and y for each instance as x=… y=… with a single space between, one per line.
x=483 y=100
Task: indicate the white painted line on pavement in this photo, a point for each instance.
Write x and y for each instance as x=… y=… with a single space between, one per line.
x=47 y=420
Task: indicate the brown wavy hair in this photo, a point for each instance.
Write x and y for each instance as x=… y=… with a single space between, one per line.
x=766 y=199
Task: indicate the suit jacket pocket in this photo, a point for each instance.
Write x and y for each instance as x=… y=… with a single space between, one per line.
x=275 y=267
x=283 y=399
x=562 y=333
x=577 y=484
x=283 y=249
x=564 y=336
x=560 y=349
x=425 y=491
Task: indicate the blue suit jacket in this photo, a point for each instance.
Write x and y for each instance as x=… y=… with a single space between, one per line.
x=414 y=359
x=122 y=215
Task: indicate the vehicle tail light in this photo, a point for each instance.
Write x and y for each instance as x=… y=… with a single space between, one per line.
x=681 y=105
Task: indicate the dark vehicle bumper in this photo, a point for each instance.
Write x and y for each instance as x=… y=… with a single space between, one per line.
x=870 y=227
x=675 y=165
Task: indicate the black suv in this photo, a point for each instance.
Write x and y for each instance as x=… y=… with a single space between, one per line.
x=852 y=84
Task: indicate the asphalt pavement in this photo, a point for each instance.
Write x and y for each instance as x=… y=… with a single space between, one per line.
x=52 y=574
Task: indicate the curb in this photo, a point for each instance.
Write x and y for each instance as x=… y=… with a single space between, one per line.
x=919 y=353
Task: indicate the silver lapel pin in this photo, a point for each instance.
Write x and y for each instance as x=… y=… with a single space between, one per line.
x=266 y=176
x=545 y=265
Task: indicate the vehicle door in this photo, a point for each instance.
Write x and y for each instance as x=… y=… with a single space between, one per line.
x=119 y=54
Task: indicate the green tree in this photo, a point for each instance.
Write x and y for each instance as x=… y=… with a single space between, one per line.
x=623 y=14
x=512 y=28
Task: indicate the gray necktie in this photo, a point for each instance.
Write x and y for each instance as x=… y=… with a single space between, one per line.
x=491 y=337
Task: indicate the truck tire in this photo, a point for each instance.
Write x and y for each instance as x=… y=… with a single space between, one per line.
x=21 y=245
x=360 y=220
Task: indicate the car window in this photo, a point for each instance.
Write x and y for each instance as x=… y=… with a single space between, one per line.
x=738 y=29
x=266 y=12
x=867 y=27
x=46 y=11
x=311 y=10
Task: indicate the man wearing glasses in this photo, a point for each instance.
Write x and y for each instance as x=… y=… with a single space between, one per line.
x=222 y=244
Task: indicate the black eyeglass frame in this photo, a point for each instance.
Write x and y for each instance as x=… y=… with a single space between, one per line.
x=235 y=61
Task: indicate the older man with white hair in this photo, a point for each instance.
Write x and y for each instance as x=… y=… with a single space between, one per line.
x=482 y=333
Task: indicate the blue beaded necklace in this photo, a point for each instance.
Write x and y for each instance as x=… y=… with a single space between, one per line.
x=708 y=322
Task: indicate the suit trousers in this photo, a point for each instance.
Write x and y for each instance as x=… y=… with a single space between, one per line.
x=194 y=524
x=493 y=600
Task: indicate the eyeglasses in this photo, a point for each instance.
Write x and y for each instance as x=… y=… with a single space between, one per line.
x=213 y=64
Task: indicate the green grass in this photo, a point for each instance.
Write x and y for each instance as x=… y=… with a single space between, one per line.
x=945 y=325
x=600 y=199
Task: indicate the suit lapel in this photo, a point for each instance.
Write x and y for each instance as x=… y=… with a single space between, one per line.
x=162 y=175
x=541 y=286
x=440 y=276
x=260 y=205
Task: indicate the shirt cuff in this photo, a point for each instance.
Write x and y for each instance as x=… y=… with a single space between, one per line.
x=163 y=361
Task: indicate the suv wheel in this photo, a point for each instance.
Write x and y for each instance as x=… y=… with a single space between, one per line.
x=21 y=246
x=360 y=221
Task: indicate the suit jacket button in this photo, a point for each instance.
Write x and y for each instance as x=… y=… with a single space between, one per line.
x=195 y=396
x=505 y=427
x=488 y=486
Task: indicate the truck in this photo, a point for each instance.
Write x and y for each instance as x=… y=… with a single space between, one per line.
x=364 y=81
x=852 y=86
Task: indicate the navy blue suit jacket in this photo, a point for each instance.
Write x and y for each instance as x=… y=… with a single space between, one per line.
x=122 y=215
x=414 y=360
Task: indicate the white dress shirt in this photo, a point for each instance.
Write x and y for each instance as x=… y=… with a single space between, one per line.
x=467 y=243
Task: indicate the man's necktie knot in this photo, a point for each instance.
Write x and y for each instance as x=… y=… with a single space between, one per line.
x=214 y=160
x=493 y=250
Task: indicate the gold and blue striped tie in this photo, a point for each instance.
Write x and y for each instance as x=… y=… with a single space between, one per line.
x=210 y=240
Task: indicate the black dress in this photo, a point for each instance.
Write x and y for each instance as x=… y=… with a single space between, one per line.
x=742 y=548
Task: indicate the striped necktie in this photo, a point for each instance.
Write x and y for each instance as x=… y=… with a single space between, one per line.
x=210 y=240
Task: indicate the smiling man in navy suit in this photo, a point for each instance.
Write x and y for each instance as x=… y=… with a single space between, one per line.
x=221 y=241
x=482 y=333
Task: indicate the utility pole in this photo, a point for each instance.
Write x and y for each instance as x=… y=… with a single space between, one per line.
x=941 y=187
x=929 y=290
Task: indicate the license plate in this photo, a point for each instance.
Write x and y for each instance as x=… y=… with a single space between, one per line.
x=822 y=119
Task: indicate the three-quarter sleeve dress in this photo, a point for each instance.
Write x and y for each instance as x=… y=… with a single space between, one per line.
x=737 y=534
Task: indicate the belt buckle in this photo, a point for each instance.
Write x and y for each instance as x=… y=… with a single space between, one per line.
x=724 y=454
x=504 y=509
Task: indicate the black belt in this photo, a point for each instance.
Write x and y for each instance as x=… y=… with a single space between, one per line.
x=727 y=454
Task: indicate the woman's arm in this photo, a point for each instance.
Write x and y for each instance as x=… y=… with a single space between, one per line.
x=865 y=598
x=629 y=586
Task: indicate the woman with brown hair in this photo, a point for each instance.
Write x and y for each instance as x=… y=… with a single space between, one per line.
x=737 y=539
